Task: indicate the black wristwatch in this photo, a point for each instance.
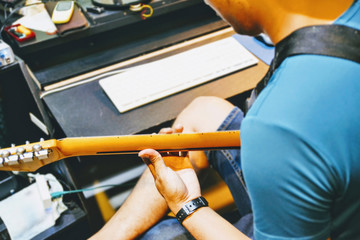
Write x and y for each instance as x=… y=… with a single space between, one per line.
x=190 y=207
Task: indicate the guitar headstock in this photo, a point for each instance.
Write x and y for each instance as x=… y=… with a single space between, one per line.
x=29 y=157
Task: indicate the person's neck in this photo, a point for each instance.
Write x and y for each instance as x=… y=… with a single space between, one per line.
x=286 y=20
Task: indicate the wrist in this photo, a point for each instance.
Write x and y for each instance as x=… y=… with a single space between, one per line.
x=176 y=204
x=190 y=207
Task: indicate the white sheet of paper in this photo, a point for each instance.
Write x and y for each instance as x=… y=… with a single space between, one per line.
x=37 y=19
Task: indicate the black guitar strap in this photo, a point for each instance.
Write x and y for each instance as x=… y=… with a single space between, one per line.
x=329 y=40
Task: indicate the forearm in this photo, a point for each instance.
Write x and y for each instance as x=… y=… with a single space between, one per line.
x=142 y=209
x=205 y=223
x=182 y=187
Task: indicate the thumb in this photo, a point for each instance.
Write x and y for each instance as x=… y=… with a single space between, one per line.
x=154 y=161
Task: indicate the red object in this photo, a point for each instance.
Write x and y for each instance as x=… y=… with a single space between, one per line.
x=11 y=30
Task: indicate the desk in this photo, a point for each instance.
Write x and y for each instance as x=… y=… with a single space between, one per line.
x=85 y=110
x=114 y=36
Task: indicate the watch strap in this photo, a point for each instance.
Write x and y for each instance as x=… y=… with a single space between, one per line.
x=191 y=207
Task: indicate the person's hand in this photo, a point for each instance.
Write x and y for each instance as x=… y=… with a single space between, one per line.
x=177 y=187
x=169 y=130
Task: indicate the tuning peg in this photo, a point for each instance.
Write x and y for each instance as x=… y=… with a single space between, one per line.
x=5 y=154
x=8 y=158
x=39 y=153
x=42 y=154
x=12 y=160
x=20 y=150
x=27 y=157
x=37 y=147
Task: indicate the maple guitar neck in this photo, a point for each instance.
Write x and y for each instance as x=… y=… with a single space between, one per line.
x=161 y=143
x=31 y=157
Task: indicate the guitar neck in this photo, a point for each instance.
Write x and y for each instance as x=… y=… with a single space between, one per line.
x=31 y=157
x=160 y=142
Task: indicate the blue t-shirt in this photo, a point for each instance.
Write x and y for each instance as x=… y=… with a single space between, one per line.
x=301 y=148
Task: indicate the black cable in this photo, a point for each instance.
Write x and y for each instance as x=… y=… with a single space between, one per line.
x=7 y=18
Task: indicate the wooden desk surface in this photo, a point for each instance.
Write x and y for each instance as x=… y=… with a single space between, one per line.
x=85 y=110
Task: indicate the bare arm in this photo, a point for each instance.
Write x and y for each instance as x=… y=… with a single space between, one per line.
x=135 y=217
x=205 y=223
x=181 y=187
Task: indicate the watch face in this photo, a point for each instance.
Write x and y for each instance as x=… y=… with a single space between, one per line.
x=63 y=6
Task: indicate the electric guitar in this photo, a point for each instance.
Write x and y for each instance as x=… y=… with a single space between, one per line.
x=32 y=156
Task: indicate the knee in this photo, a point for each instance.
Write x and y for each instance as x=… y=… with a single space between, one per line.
x=207 y=105
x=204 y=101
x=204 y=113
